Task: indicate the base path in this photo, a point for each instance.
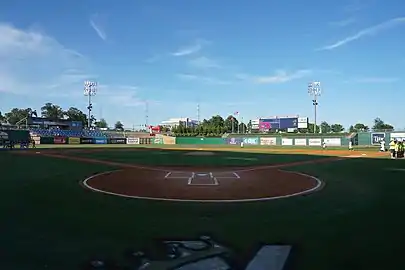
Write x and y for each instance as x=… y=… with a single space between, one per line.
x=203 y=184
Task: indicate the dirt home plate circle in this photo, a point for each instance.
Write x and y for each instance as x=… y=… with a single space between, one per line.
x=203 y=184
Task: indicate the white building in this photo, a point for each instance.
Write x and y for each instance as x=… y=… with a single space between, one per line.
x=174 y=122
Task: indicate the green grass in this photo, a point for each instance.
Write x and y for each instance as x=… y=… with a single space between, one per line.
x=177 y=158
x=355 y=222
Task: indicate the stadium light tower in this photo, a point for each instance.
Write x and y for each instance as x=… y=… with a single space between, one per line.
x=314 y=90
x=90 y=89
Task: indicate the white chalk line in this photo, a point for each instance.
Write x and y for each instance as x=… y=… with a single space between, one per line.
x=317 y=187
x=240 y=158
x=395 y=169
x=214 y=180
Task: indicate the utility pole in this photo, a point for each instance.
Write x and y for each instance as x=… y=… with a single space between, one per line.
x=314 y=90
x=146 y=115
x=90 y=89
x=198 y=113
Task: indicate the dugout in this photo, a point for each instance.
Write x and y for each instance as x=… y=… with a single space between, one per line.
x=12 y=137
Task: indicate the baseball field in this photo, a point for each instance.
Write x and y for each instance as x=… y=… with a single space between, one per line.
x=65 y=208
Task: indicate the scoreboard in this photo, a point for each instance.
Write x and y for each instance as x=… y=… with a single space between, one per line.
x=282 y=123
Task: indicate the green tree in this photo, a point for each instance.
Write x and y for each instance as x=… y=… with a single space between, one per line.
x=16 y=115
x=359 y=127
x=325 y=127
x=336 y=128
x=2 y=118
x=381 y=125
x=52 y=111
x=216 y=121
x=242 y=128
x=249 y=126
x=101 y=124
x=231 y=124
x=74 y=114
x=119 y=126
x=311 y=128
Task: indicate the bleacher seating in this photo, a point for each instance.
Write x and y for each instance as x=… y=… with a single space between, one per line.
x=68 y=133
x=85 y=133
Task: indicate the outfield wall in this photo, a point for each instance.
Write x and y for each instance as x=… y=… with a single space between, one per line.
x=362 y=139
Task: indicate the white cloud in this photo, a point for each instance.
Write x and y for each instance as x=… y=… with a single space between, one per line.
x=187 y=50
x=282 y=76
x=31 y=62
x=374 y=80
x=204 y=63
x=95 y=24
x=343 y=23
x=191 y=49
x=121 y=95
x=366 y=32
x=34 y=64
x=204 y=79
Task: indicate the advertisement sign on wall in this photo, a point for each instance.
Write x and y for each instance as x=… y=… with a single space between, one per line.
x=264 y=126
x=59 y=140
x=398 y=136
x=86 y=140
x=145 y=140
x=300 y=142
x=233 y=141
x=47 y=140
x=333 y=141
x=158 y=141
x=286 y=141
x=100 y=140
x=73 y=140
x=251 y=141
x=376 y=138
x=268 y=141
x=117 y=140
x=315 y=142
x=132 y=140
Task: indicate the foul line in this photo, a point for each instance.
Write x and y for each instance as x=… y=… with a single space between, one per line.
x=318 y=186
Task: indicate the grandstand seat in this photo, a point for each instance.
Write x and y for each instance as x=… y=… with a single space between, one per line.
x=67 y=133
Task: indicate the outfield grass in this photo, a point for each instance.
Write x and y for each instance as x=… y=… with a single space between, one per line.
x=355 y=222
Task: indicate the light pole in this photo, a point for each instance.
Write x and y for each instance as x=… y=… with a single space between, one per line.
x=90 y=89
x=314 y=90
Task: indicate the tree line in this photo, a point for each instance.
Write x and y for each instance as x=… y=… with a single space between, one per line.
x=17 y=116
x=215 y=126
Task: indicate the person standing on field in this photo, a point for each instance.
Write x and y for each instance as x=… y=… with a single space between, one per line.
x=393 y=145
x=382 y=146
x=350 y=145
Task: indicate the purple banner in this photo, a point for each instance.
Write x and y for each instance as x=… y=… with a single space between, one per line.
x=235 y=141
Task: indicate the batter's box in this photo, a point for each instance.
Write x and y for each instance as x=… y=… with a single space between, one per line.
x=202 y=179
x=178 y=175
x=226 y=175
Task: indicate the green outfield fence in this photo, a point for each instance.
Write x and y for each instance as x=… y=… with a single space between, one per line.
x=364 y=139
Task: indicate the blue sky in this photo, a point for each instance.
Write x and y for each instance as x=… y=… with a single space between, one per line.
x=255 y=57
